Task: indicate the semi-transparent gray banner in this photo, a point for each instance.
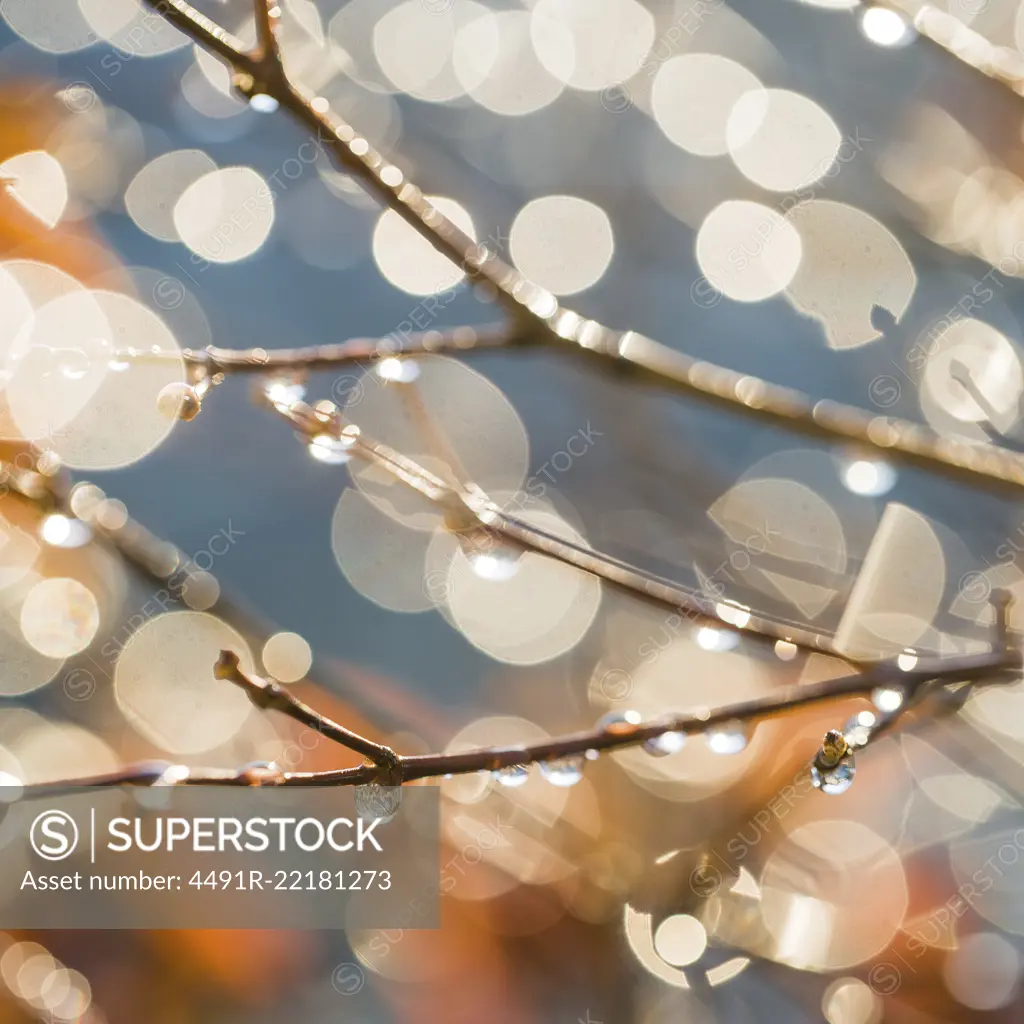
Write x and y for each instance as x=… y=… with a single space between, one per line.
x=217 y=857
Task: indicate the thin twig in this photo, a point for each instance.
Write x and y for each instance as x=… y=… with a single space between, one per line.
x=953 y=38
x=269 y=695
x=466 y=508
x=995 y=667
x=535 y=311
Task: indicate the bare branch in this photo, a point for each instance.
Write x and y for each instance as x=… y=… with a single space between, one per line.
x=654 y=363
x=200 y=29
x=267 y=694
x=953 y=38
x=992 y=668
x=466 y=508
x=561 y=327
x=268 y=23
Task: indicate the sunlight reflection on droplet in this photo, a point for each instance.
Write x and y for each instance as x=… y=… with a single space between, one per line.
x=226 y=215
x=38 y=183
x=402 y=371
x=781 y=140
x=408 y=260
x=692 y=97
x=59 y=617
x=152 y=194
x=164 y=682
x=886 y=27
x=674 y=678
x=869 y=477
x=62 y=532
x=563 y=243
x=747 y=251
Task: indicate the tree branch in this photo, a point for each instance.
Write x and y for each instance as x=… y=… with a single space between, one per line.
x=466 y=508
x=999 y=666
x=269 y=695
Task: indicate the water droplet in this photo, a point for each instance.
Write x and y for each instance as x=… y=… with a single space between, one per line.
x=869 y=477
x=375 y=801
x=591 y=754
x=886 y=698
x=730 y=739
x=513 y=775
x=262 y=103
x=712 y=639
x=178 y=401
x=494 y=561
x=735 y=614
x=119 y=364
x=665 y=744
x=566 y=771
x=785 y=650
x=330 y=449
x=401 y=371
x=858 y=729
x=73 y=363
x=284 y=391
x=64 y=532
x=172 y=775
x=907 y=661
x=619 y=721
x=836 y=779
x=262 y=773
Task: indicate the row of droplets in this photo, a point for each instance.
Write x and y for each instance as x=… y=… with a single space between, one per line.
x=567 y=771
x=179 y=400
x=832 y=771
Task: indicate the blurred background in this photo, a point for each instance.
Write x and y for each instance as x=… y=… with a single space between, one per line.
x=806 y=191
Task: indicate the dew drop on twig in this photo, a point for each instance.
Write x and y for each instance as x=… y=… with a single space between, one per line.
x=332 y=450
x=837 y=779
x=886 y=698
x=512 y=775
x=179 y=401
x=730 y=739
x=665 y=744
x=375 y=801
x=564 y=772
